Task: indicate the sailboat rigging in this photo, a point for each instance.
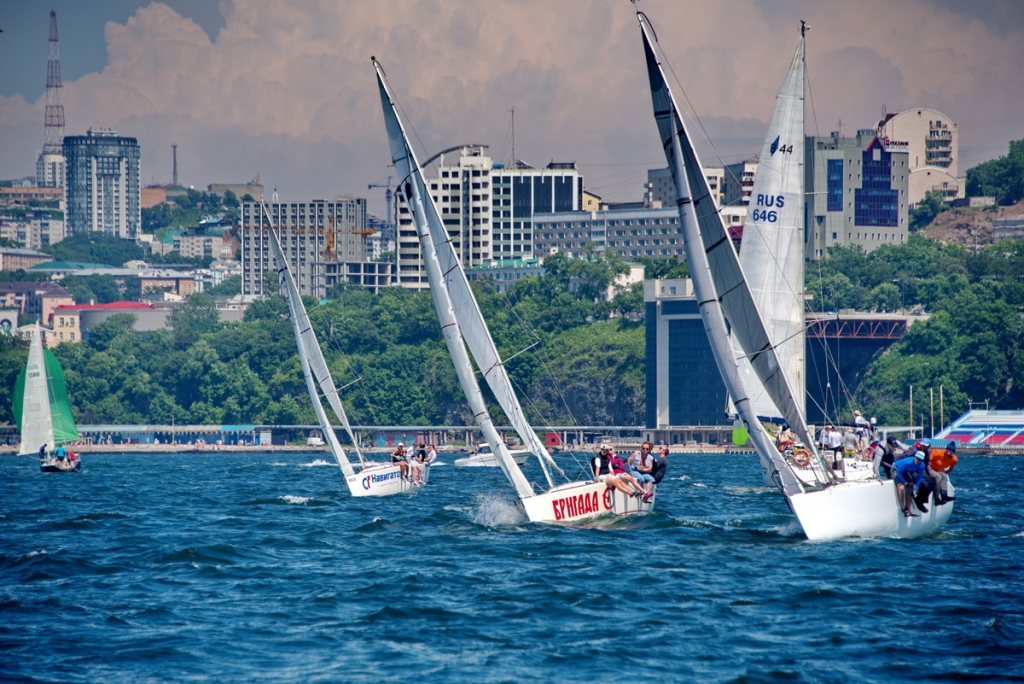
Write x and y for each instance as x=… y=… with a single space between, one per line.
x=373 y=478
x=739 y=335
x=463 y=326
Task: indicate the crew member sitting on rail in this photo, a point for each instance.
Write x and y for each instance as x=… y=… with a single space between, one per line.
x=398 y=457
x=905 y=470
x=941 y=462
x=605 y=466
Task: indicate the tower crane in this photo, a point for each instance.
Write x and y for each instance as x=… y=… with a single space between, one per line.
x=388 y=197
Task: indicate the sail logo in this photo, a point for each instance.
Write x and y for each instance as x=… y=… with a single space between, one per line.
x=374 y=478
x=574 y=506
x=775 y=146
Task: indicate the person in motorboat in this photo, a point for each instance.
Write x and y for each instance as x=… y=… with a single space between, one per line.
x=906 y=469
x=398 y=458
x=604 y=470
x=941 y=462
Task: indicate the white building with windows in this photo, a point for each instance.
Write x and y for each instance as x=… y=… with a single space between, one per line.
x=313 y=234
x=490 y=211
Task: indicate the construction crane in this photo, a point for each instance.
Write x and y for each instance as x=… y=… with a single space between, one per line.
x=388 y=196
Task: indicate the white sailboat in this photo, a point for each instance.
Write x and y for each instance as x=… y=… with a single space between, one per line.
x=43 y=411
x=736 y=331
x=463 y=326
x=372 y=478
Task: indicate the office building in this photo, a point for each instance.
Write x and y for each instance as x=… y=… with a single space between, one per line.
x=856 y=192
x=488 y=210
x=313 y=235
x=684 y=387
x=102 y=184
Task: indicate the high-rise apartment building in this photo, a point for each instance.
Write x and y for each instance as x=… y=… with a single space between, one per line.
x=102 y=184
x=316 y=237
x=488 y=210
x=663 y=188
x=932 y=143
x=856 y=192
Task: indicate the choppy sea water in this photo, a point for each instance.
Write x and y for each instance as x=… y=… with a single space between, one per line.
x=260 y=567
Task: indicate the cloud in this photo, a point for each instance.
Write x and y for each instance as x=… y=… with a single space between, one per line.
x=286 y=89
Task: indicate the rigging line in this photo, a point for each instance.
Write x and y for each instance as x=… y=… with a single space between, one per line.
x=545 y=363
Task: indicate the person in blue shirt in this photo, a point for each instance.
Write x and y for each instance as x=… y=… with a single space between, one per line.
x=62 y=454
x=906 y=470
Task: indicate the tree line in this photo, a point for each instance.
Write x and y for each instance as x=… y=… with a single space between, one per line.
x=575 y=357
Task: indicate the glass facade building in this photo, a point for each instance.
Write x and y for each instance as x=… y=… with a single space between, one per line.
x=102 y=184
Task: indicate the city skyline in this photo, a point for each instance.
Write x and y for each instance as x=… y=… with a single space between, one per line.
x=245 y=87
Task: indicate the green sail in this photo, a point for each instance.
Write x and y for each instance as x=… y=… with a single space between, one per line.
x=64 y=428
x=19 y=398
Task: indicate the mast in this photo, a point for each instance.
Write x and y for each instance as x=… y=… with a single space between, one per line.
x=436 y=245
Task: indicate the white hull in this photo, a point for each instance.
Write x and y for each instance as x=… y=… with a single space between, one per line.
x=863 y=509
x=578 y=501
x=382 y=479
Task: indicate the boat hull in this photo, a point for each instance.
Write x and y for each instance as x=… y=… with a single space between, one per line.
x=52 y=465
x=489 y=460
x=579 y=501
x=866 y=508
x=382 y=479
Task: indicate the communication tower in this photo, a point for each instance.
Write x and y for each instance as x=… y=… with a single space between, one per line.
x=50 y=165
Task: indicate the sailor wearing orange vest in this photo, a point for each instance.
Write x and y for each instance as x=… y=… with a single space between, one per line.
x=941 y=462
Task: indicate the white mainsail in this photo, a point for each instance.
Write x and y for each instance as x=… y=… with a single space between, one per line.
x=314 y=366
x=431 y=231
x=772 y=251
x=463 y=325
x=36 y=420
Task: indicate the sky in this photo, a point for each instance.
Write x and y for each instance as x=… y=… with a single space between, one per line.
x=286 y=91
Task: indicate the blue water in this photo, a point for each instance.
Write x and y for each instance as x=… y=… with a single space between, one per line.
x=260 y=567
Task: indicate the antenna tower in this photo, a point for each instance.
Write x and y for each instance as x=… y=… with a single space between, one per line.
x=174 y=168
x=54 y=107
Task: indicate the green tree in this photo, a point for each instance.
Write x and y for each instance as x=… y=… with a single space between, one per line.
x=1002 y=178
x=926 y=210
x=197 y=316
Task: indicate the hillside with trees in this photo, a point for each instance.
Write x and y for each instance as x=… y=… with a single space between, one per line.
x=575 y=357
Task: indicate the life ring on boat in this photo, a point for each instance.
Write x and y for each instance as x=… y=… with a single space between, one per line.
x=801 y=458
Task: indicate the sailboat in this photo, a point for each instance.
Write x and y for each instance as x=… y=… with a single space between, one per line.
x=42 y=409
x=463 y=326
x=738 y=334
x=372 y=478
